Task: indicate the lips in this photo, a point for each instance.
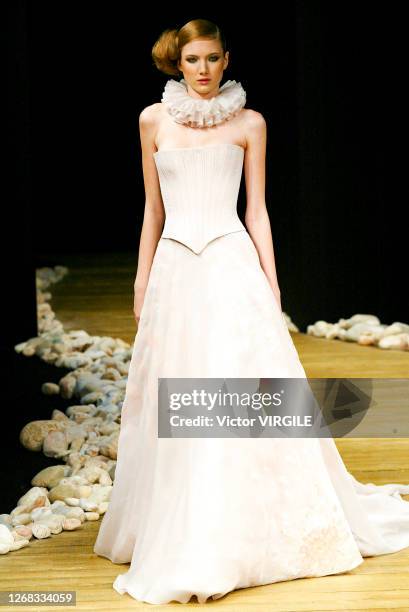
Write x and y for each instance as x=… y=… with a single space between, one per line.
x=203 y=80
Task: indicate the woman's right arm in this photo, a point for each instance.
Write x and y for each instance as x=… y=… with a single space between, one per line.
x=154 y=213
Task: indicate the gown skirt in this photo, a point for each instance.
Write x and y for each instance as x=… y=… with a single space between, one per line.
x=205 y=516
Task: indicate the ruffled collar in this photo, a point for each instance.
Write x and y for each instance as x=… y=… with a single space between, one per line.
x=201 y=113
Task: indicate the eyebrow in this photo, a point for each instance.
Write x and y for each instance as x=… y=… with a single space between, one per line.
x=193 y=55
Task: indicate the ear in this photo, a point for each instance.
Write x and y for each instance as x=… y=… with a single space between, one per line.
x=226 y=60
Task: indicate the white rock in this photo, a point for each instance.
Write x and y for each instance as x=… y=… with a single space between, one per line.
x=5 y=519
x=91 y=516
x=58 y=504
x=357 y=329
x=396 y=341
x=67 y=386
x=33 y=433
x=50 y=388
x=4 y=548
x=69 y=524
x=40 y=513
x=105 y=479
x=50 y=476
x=19 y=544
x=41 y=531
x=359 y=318
x=89 y=506
x=6 y=537
x=54 y=522
x=70 y=489
x=55 y=444
x=70 y=512
x=319 y=329
x=72 y=501
x=34 y=498
x=91 y=473
x=21 y=519
x=23 y=531
x=103 y=507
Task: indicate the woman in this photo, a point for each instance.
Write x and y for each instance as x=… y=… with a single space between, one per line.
x=204 y=516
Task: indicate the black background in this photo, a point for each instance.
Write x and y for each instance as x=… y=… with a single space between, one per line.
x=320 y=73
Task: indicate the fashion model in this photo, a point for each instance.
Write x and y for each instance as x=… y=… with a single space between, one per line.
x=205 y=516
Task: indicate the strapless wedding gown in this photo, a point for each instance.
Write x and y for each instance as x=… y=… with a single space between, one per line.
x=203 y=517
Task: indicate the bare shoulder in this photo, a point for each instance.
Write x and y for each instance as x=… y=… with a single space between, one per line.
x=253 y=119
x=150 y=114
x=255 y=128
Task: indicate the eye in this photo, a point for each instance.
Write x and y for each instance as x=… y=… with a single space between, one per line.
x=213 y=58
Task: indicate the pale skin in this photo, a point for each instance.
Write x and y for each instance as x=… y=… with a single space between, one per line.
x=203 y=58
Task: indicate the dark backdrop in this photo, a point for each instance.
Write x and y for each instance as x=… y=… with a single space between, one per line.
x=81 y=72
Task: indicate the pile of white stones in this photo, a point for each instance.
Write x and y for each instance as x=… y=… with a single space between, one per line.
x=364 y=329
x=84 y=438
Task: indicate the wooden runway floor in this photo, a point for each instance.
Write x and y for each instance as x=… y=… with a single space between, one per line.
x=97 y=296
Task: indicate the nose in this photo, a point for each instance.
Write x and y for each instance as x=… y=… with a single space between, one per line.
x=203 y=68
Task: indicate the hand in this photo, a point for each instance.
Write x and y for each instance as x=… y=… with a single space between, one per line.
x=139 y=295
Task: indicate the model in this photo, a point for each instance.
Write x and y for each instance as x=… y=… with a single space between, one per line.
x=205 y=516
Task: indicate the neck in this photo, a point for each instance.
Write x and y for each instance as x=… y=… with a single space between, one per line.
x=197 y=95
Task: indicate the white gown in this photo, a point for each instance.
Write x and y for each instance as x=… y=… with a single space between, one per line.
x=197 y=516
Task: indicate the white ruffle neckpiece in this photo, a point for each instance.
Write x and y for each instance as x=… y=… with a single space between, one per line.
x=199 y=112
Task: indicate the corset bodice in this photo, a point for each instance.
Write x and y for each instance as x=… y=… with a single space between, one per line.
x=200 y=187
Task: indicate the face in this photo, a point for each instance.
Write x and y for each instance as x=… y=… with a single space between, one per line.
x=203 y=59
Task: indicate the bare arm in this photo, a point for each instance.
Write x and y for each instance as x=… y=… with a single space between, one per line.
x=154 y=214
x=256 y=216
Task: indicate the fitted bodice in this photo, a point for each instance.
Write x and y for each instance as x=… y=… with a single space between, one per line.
x=200 y=187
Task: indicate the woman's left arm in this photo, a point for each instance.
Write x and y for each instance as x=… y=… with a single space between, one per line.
x=256 y=217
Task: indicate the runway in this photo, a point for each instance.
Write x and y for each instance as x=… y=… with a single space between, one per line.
x=97 y=296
